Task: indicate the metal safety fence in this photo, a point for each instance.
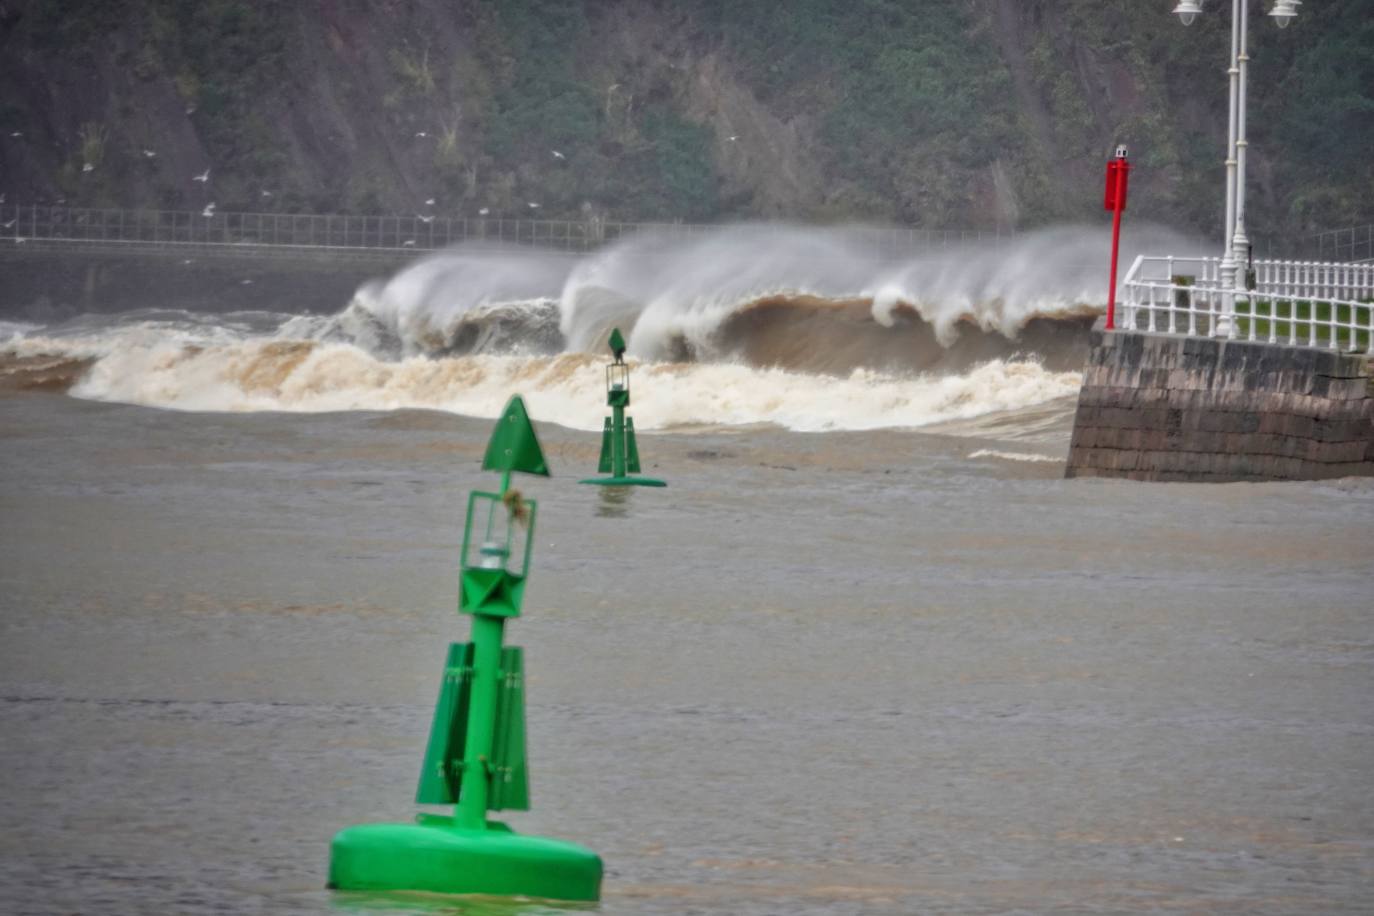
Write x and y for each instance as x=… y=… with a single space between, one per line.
x=388 y=235
x=1355 y=243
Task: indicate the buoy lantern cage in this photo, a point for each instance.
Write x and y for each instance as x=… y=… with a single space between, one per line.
x=619 y=451
x=617 y=385
x=498 y=537
x=475 y=758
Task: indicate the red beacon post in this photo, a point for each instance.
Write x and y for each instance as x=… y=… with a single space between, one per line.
x=1118 y=176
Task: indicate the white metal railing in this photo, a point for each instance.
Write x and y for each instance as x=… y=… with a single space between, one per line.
x=1300 y=303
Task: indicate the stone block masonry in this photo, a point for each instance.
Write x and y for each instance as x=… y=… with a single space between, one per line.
x=1171 y=407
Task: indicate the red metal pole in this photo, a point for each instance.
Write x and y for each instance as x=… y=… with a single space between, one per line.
x=1119 y=203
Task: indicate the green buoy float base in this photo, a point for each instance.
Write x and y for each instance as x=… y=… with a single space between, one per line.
x=625 y=482
x=435 y=856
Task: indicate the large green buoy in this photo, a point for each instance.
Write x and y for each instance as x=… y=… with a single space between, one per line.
x=476 y=753
x=619 y=453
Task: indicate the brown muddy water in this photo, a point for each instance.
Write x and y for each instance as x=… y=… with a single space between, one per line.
x=831 y=673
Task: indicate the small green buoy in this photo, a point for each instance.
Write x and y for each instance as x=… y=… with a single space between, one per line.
x=619 y=453
x=476 y=753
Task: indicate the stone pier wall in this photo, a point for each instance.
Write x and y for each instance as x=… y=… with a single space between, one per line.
x=1169 y=407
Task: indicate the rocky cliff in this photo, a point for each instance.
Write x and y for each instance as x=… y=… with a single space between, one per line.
x=945 y=113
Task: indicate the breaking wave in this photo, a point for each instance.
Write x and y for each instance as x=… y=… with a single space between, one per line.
x=805 y=328
x=567 y=388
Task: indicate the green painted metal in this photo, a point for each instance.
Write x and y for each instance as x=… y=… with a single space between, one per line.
x=513 y=445
x=443 y=767
x=603 y=464
x=509 y=776
x=507 y=773
x=617 y=344
x=631 y=450
x=618 y=442
x=627 y=481
x=498 y=539
x=619 y=452
x=451 y=860
x=491 y=591
x=473 y=793
x=617 y=385
x=475 y=758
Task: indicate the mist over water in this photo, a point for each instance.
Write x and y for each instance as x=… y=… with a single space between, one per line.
x=806 y=328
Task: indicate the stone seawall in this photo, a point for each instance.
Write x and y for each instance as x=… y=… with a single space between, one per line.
x=1169 y=407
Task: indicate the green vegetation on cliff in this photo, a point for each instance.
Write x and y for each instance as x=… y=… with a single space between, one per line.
x=940 y=114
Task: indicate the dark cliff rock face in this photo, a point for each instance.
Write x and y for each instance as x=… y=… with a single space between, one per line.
x=984 y=114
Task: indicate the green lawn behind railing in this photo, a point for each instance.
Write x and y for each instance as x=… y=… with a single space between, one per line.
x=1282 y=314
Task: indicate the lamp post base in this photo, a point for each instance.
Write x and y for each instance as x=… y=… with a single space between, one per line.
x=435 y=856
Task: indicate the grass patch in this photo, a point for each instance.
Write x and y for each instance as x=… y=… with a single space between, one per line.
x=1303 y=322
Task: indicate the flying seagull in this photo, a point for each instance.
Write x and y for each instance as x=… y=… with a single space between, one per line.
x=533 y=205
x=203 y=177
x=11 y=222
x=149 y=154
x=483 y=212
x=266 y=193
x=558 y=155
x=209 y=210
x=430 y=202
x=421 y=133
x=88 y=168
x=408 y=243
x=17 y=133
x=733 y=139
x=424 y=219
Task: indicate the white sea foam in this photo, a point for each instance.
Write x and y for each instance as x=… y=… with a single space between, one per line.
x=253 y=375
x=1013 y=456
x=15 y=330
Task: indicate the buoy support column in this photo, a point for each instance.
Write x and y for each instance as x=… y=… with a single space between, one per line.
x=618 y=441
x=487 y=634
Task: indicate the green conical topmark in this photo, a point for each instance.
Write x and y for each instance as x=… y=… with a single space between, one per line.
x=513 y=445
x=617 y=344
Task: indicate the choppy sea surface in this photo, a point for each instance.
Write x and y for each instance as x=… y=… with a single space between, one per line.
x=868 y=652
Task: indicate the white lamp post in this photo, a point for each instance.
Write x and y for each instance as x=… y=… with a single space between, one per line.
x=1235 y=242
